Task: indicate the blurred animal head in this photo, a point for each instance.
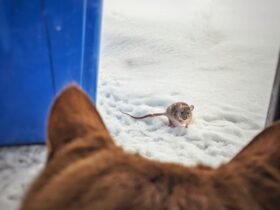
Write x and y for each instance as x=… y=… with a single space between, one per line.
x=87 y=170
x=185 y=111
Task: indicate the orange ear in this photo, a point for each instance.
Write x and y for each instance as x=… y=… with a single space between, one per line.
x=266 y=146
x=72 y=115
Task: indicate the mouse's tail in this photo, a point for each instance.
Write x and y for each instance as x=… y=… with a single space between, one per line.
x=145 y=116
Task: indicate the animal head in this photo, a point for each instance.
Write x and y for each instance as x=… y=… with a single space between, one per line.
x=184 y=111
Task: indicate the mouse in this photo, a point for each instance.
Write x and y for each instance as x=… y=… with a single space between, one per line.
x=179 y=114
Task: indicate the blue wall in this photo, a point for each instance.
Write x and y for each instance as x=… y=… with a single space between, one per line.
x=44 y=44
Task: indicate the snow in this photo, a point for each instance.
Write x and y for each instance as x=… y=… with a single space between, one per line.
x=18 y=166
x=218 y=55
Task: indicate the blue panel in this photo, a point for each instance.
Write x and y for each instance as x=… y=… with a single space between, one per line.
x=74 y=28
x=25 y=81
x=90 y=52
x=64 y=23
x=43 y=46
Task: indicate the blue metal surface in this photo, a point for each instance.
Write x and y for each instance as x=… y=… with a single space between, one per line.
x=43 y=46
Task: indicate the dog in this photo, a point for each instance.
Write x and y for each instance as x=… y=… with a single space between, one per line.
x=86 y=170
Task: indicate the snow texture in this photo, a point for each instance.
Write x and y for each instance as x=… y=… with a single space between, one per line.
x=218 y=55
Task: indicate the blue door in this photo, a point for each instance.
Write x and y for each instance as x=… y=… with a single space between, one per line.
x=44 y=45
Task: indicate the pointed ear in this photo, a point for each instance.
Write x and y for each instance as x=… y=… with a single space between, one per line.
x=191 y=107
x=265 y=145
x=72 y=115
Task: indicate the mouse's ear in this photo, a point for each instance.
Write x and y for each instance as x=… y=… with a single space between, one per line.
x=191 y=107
x=72 y=115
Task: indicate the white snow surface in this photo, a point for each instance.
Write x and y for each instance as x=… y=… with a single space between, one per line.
x=218 y=55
